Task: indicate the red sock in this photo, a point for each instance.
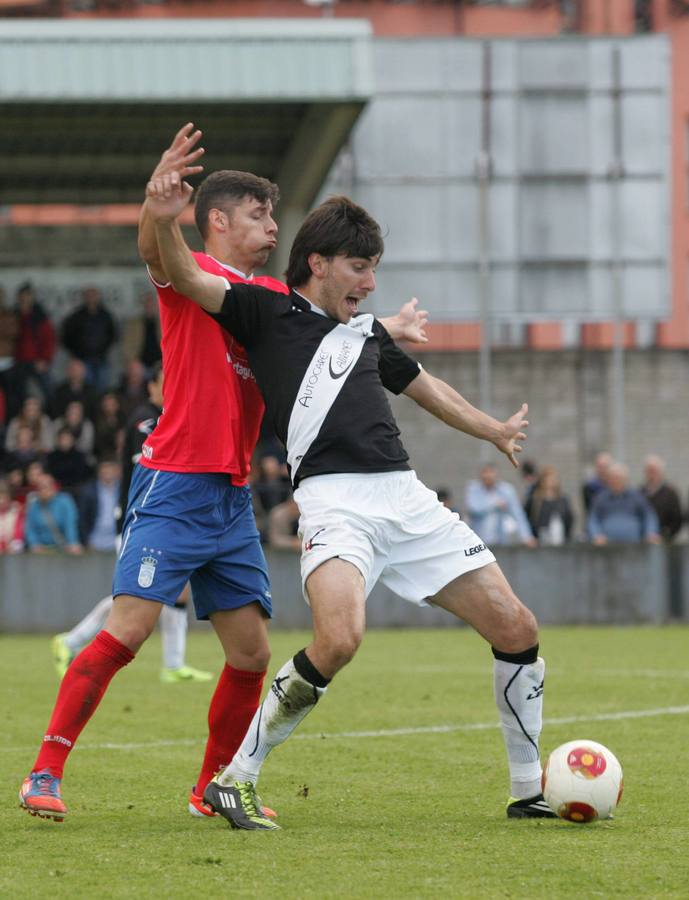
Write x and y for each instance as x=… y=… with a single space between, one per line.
x=232 y=708
x=82 y=688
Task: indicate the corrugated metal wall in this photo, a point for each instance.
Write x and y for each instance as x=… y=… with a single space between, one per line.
x=572 y=136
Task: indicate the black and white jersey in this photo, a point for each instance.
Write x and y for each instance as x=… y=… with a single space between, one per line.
x=322 y=381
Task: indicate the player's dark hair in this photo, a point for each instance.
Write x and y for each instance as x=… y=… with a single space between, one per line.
x=154 y=371
x=338 y=227
x=228 y=188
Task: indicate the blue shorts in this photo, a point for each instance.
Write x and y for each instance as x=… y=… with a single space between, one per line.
x=183 y=527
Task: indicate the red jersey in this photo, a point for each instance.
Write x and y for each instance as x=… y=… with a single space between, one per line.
x=212 y=407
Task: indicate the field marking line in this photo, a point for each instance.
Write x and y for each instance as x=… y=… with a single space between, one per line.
x=394 y=732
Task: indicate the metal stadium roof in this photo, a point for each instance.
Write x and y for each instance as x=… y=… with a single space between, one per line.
x=87 y=106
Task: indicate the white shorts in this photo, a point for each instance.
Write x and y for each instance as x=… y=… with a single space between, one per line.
x=390 y=526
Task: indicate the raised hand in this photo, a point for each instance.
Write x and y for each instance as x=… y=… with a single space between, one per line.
x=167 y=196
x=413 y=322
x=181 y=155
x=513 y=434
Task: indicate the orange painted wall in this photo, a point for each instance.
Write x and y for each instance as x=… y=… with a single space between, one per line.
x=675 y=332
x=424 y=19
x=493 y=21
x=607 y=17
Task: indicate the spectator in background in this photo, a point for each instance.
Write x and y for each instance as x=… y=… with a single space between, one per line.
x=549 y=510
x=133 y=388
x=283 y=526
x=529 y=472
x=11 y=522
x=35 y=344
x=662 y=496
x=25 y=452
x=272 y=485
x=3 y=413
x=141 y=334
x=88 y=333
x=82 y=428
x=74 y=387
x=9 y=329
x=98 y=504
x=52 y=521
x=33 y=418
x=619 y=514
x=32 y=476
x=495 y=512
x=67 y=464
x=445 y=497
x=14 y=479
x=598 y=481
x=109 y=426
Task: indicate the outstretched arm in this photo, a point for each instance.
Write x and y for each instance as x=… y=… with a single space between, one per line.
x=179 y=157
x=408 y=324
x=444 y=402
x=166 y=197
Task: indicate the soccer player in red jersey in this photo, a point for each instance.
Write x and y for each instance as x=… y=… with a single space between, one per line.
x=189 y=515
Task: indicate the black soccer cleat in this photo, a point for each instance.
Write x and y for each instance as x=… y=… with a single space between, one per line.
x=531 y=808
x=239 y=804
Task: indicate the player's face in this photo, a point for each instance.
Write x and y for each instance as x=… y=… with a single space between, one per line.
x=251 y=233
x=348 y=280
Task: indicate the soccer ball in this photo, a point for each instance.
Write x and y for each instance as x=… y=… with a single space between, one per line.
x=582 y=781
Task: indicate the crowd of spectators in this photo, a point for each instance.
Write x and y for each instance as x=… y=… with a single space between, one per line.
x=61 y=443
x=615 y=512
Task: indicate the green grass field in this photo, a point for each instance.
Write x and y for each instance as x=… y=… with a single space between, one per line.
x=366 y=812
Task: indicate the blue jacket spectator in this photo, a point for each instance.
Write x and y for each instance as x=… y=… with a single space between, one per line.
x=98 y=505
x=52 y=521
x=494 y=510
x=599 y=480
x=620 y=514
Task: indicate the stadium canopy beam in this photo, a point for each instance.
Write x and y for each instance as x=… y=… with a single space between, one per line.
x=88 y=105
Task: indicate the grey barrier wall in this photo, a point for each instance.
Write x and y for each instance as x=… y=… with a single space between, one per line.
x=577 y=584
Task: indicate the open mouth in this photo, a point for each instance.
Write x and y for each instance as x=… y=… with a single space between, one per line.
x=352 y=304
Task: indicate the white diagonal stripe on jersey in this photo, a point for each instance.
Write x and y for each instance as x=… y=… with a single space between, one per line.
x=326 y=373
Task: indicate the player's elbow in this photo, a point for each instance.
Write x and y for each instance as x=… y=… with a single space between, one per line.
x=148 y=253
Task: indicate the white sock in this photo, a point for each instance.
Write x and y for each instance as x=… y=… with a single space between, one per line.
x=85 y=630
x=519 y=696
x=288 y=701
x=173 y=630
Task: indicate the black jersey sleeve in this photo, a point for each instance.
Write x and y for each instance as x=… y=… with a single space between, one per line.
x=397 y=370
x=246 y=310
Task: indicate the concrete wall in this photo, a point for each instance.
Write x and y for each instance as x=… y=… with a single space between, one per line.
x=570 y=410
x=567 y=585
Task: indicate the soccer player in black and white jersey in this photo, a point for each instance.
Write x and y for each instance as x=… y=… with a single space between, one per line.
x=323 y=367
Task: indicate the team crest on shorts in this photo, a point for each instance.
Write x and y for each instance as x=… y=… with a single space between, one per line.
x=147 y=571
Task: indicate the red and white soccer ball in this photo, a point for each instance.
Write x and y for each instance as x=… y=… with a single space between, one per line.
x=582 y=781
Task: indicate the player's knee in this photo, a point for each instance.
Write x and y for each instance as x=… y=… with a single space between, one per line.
x=254 y=659
x=131 y=634
x=528 y=627
x=342 y=647
x=518 y=628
